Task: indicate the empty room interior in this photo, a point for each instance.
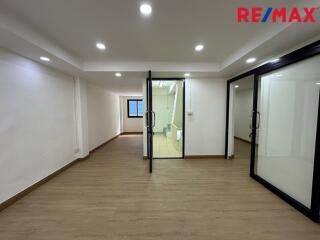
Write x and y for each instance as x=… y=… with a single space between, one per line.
x=175 y=119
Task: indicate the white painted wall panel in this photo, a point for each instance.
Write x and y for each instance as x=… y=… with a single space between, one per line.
x=36 y=123
x=103 y=115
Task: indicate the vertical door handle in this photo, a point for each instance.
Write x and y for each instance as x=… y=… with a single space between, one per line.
x=146 y=119
x=258 y=121
x=153 y=119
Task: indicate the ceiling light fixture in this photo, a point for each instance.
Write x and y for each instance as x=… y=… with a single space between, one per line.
x=199 y=47
x=45 y=59
x=274 y=60
x=236 y=86
x=187 y=74
x=146 y=9
x=118 y=74
x=251 y=60
x=101 y=46
x=318 y=83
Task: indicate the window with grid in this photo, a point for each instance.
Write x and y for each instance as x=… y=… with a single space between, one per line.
x=135 y=108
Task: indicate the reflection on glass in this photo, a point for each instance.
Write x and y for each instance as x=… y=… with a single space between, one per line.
x=288 y=106
x=167 y=104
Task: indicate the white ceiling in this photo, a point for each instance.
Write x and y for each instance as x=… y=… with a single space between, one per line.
x=67 y=31
x=169 y=35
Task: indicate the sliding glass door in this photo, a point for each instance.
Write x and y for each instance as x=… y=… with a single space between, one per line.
x=285 y=112
x=164 y=118
x=168 y=113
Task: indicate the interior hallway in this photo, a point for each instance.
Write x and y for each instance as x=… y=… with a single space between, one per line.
x=111 y=196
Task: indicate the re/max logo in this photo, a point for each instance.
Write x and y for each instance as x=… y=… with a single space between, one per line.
x=261 y=15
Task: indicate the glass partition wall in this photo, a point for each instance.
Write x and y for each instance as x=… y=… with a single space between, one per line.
x=286 y=118
x=285 y=127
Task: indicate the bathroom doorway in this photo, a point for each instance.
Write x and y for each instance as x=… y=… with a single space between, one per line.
x=168 y=113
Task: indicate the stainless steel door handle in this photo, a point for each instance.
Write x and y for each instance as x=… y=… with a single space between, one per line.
x=153 y=119
x=258 y=122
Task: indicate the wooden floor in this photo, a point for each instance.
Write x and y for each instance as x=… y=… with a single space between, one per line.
x=112 y=196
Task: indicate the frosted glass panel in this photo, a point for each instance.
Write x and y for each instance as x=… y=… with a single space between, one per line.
x=288 y=107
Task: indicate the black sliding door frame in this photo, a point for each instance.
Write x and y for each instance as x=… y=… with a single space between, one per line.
x=289 y=59
x=149 y=121
x=150 y=118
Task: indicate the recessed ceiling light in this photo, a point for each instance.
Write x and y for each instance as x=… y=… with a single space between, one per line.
x=274 y=60
x=101 y=46
x=199 y=47
x=236 y=86
x=318 y=83
x=118 y=74
x=187 y=74
x=251 y=60
x=45 y=59
x=146 y=9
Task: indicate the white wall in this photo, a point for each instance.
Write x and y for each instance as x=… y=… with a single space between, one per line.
x=242 y=113
x=81 y=118
x=103 y=115
x=205 y=129
x=130 y=124
x=48 y=119
x=36 y=125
